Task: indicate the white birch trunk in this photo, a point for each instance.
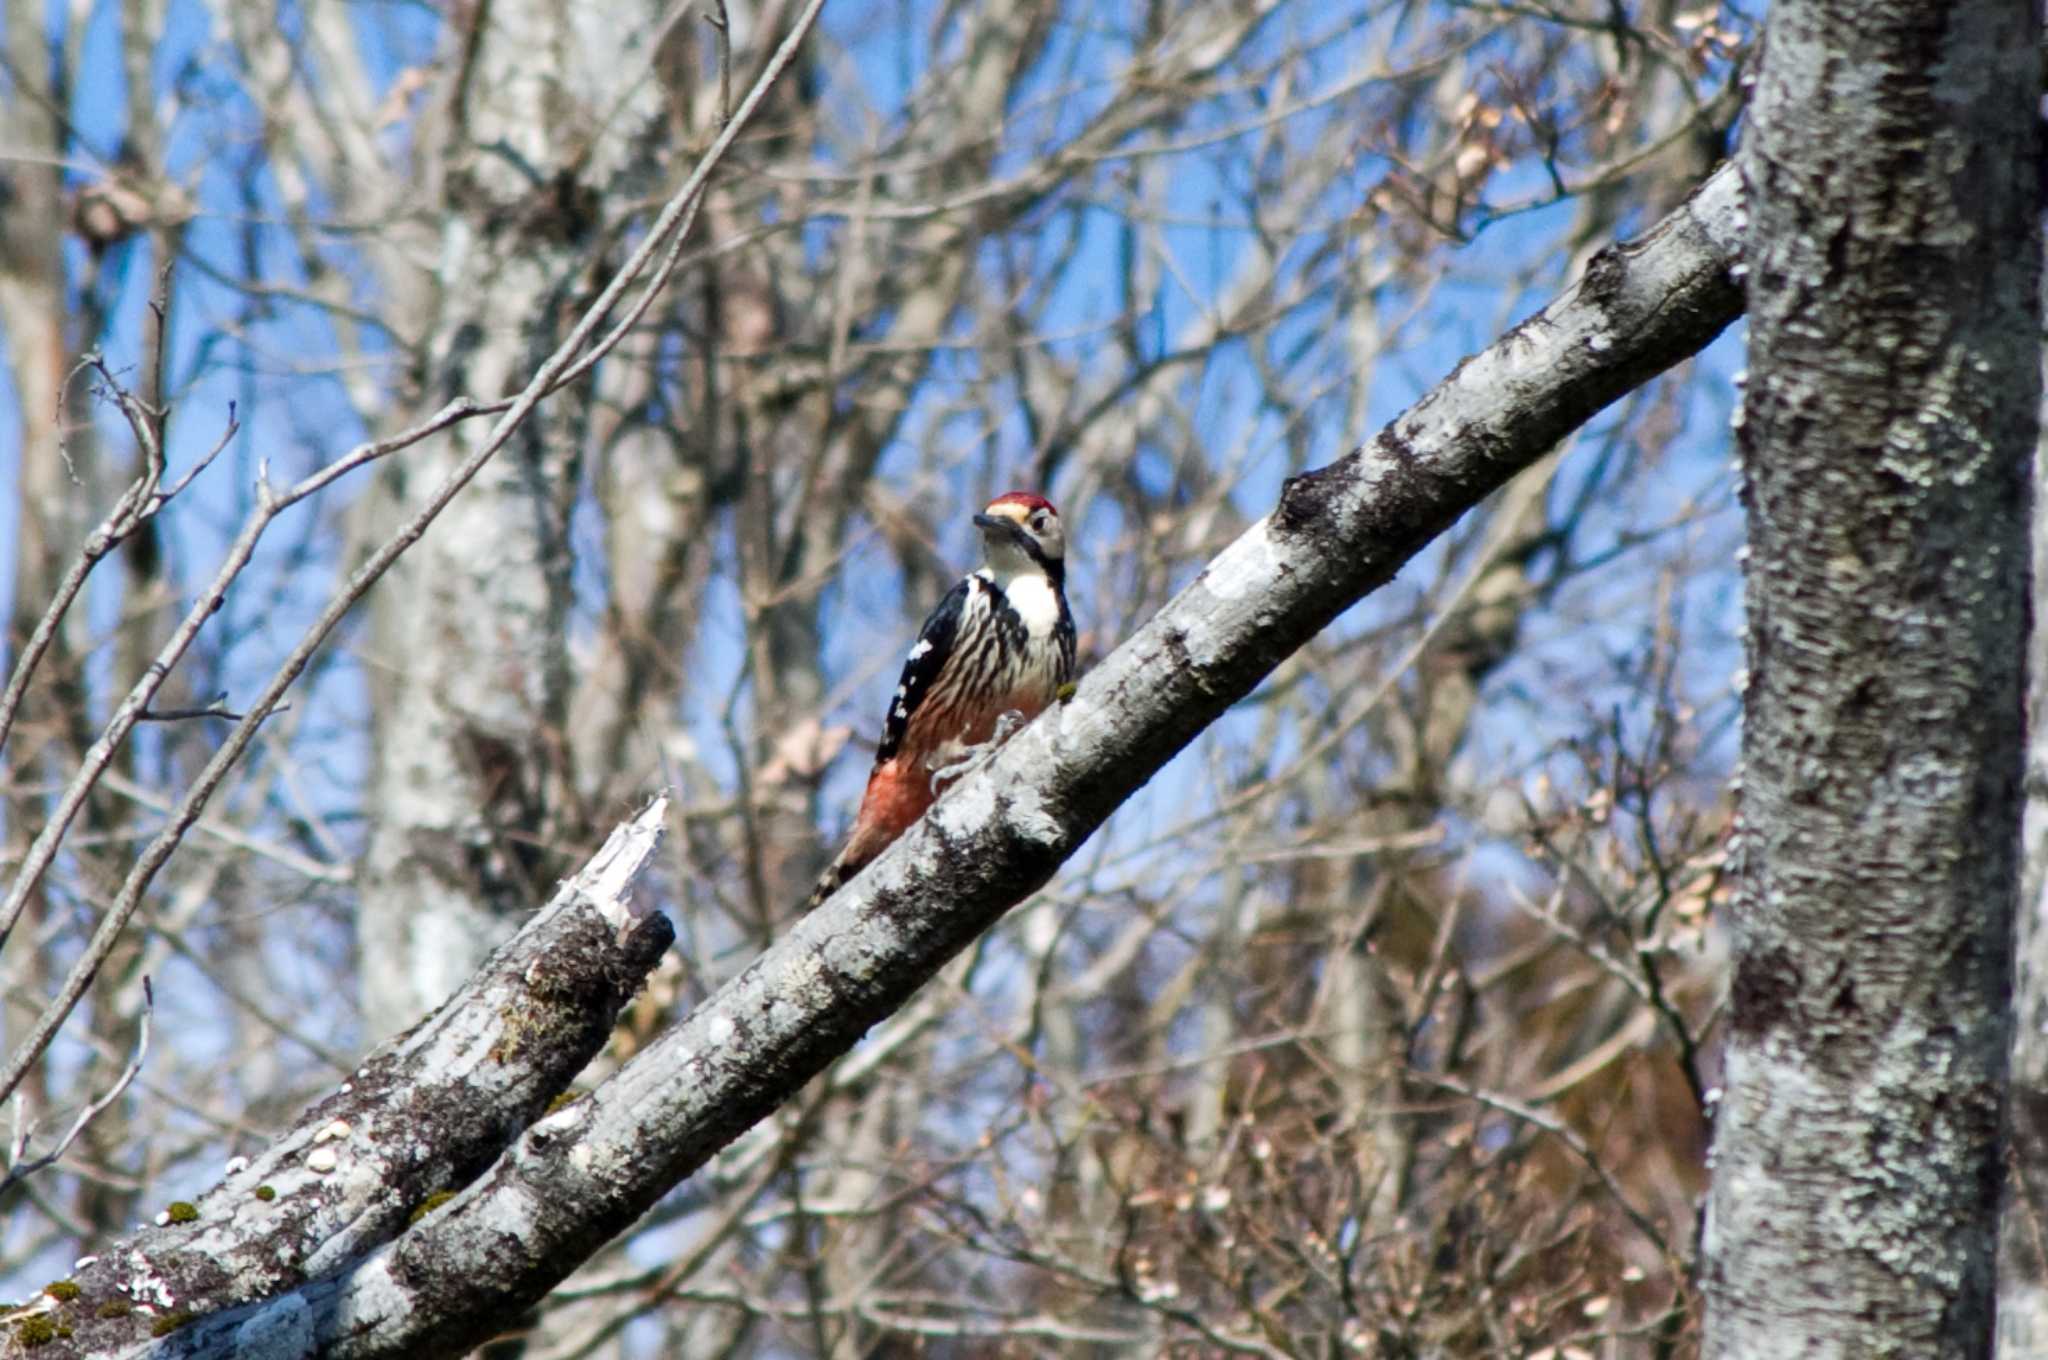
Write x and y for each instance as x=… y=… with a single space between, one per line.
x=468 y=656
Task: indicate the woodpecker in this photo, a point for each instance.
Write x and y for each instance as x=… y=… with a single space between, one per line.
x=1001 y=642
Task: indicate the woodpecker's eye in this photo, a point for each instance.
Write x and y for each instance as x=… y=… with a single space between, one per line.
x=1038 y=520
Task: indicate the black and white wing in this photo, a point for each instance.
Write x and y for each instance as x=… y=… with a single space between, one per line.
x=921 y=669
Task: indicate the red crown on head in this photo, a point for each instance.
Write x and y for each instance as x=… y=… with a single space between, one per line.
x=1030 y=500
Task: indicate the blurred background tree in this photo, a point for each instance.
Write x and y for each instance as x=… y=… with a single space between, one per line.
x=1376 y=1024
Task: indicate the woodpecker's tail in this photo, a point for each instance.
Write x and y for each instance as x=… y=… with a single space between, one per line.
x=829 y=882
x=898 y=793
x=837 y=874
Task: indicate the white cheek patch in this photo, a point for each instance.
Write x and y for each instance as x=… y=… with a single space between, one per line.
x=1032 y=596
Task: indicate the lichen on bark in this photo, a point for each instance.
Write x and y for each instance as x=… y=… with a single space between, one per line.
x=1886 y=442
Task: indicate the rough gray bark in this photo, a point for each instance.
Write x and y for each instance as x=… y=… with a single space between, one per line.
x=422 y=1115
x=588 y=1171
x=1886 y=442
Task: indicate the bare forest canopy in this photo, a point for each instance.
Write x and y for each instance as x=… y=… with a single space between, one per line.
x=475 y=472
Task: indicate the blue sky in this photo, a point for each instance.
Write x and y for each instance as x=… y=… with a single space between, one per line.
x=274 y=358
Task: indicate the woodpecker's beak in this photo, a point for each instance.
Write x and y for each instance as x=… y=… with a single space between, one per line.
x=1000 y=524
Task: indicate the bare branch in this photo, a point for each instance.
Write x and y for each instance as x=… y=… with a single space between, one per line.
x=569 y=360
x=419 y=1116
x=143 y=498
x=19 y=1170
x=718 y=20
x=217 y=709
x=1564 y=1134
x=588 y=1171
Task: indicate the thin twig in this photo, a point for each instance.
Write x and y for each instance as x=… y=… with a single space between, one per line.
x=217 y=709
x=99 y=756
x=319 y=871
x=143 y=498
x=18 y=1170
x=717 y=19
x=205 y=462
x=1564 y=1133
x=663 y=242
x=175 y=941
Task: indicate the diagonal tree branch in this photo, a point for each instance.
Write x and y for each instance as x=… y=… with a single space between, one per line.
x=586 y=1172
x=423 y=1114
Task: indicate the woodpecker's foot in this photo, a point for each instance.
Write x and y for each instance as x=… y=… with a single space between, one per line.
x=1066 y=691
x=977 y=756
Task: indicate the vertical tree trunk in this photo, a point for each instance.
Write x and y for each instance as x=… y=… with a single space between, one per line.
x=470 y=652
x=47 y=524
x=1886 y=444
x=2022 y=1266
x=51 y=316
